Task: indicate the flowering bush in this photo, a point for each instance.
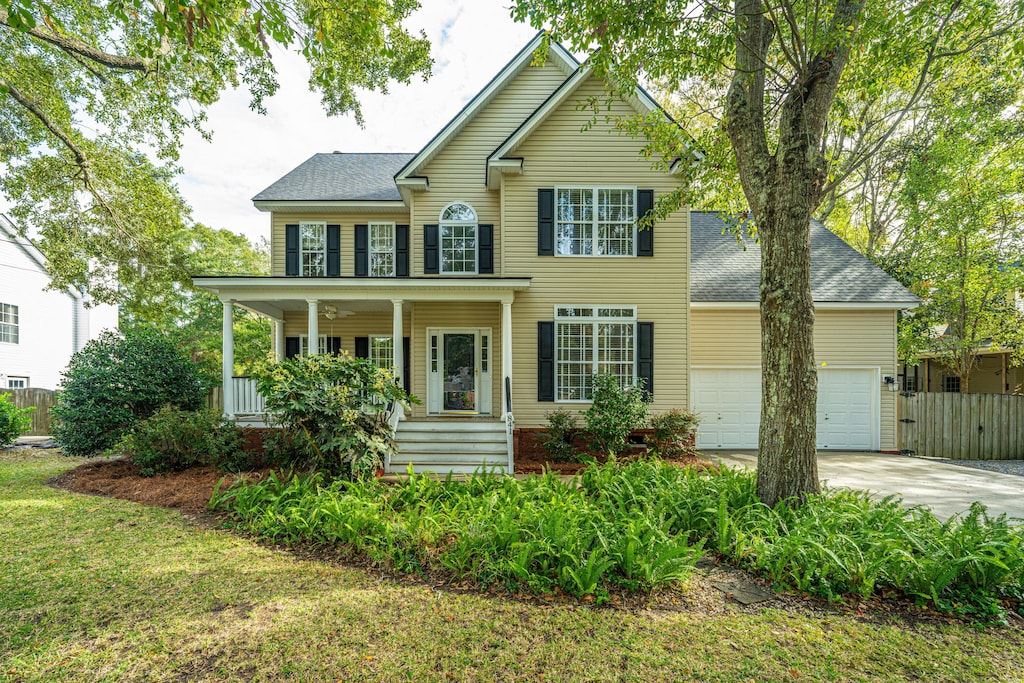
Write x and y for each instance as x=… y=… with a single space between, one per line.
x=335 y=407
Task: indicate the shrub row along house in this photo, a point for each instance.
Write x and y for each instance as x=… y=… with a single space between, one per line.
x=500 y=267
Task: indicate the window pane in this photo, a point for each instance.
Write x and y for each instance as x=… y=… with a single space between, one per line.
x=615 y=313
x=313 y=249
x=459 y=212
x=458 y=248
x=382 y=352
x=616 y=216
x=575 y=361
x=574 y=215
x=382 y=249
x=615 y=350
x=8 y=323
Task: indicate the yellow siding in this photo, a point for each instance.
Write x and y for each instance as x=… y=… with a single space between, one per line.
x=347 y=221
x=558 y=153
x=458 y=171
x=732 y=338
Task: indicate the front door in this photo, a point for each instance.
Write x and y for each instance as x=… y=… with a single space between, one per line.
x=458 y=381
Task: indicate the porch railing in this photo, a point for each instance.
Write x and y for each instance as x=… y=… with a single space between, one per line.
x=248 y=401
x=510 y=423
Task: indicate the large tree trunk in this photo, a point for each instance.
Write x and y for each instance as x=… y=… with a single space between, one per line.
x=787 y=463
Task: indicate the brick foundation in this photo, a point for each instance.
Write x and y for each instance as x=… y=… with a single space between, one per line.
x=528 y=442
x=254 y=439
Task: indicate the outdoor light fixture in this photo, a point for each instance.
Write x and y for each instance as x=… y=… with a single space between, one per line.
x=890 y=381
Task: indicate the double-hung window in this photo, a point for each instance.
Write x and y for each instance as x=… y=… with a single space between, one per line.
x=304 y=344
x=8 y=323
x=595 y=221
x=313 y=249
x=382 y=351
x=591 y=340
x=382 y=249
x=458 y=232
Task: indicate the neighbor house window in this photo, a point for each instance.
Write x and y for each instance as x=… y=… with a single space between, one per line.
x=8 y=323
x=595 y=221
x=591 y=340
x=313 y=249
x=304 y=344
x=382 y=249
x=382 y=352
x=17 y=382
x=951 y=384
x=458 y=228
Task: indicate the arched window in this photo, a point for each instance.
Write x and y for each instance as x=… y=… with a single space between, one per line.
x=459 y=242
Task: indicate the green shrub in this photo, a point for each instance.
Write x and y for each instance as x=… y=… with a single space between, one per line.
x=615 y=412
x=14 y=421
x=673 y=432
x=116 y=381
x=562 y=430
x=287 y=450
x=338 y=404
x=171 y=440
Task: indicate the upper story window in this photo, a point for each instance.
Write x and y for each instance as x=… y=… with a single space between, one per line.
x=8 y=323
x=382 y=249
x=590 y=340
x=458 y=226
x=313 y=249
x=17 y=382
x=595 y=221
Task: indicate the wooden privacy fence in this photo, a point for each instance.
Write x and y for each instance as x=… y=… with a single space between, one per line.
x=962 y=426
x=43 y=400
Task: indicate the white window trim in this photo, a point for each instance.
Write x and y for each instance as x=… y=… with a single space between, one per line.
x=18 y=378
x=304 y=343
x=303 y=252
x=593 y=225
x=594 y=320
x=441 y=223
x=370 y=251
x=16 y=312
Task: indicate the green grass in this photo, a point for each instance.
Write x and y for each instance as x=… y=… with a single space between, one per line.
x=95 y=589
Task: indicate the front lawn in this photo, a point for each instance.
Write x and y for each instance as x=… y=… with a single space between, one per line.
x=98 y=589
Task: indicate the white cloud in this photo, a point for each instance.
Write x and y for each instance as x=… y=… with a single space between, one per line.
x=470 y=41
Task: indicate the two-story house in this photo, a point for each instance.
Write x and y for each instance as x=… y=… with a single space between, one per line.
x=500 y=267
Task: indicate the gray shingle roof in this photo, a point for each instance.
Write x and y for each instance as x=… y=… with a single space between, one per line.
x=339 y=177
x=721 y=270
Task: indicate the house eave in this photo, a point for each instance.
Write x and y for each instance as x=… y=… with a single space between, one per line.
x=334 y=206
x=818 y=305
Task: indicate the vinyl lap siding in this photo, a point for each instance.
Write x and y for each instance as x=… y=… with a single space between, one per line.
x=732 y=338
x=558 y=153
x=347 y=221
x=458 y=171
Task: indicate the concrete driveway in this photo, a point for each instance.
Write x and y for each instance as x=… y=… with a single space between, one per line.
x=946 y=489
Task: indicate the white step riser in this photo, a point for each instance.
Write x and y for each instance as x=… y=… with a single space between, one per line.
x=458 y=458
x=457 y=444
x=444 y=468
x=437 y=426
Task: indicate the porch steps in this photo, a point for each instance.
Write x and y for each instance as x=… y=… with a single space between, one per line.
x=456 y=445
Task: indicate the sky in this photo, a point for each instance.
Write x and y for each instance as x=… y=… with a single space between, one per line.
x=470 y=41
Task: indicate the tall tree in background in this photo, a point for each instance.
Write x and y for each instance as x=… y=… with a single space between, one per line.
x=94 y=98
x=779 y=66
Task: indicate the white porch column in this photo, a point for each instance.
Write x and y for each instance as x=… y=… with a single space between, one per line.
x=314 y=326
x=506 y=353
x=228 y=352
x=398 y=362
x=279 y=340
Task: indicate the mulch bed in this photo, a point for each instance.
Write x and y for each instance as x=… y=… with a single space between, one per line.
x=188 y=491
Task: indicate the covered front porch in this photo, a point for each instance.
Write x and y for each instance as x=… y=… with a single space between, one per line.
x=455 y=354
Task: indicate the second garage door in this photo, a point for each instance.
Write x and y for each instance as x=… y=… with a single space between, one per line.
x=729 y=402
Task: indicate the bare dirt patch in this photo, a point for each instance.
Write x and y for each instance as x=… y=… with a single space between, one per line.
x=188 y=491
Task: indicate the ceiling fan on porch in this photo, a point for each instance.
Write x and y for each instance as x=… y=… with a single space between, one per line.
x=330 y=311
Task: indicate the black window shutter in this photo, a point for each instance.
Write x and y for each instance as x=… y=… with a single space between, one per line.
x=333 y=251
x=334 y=345
x=362 y=347
x=406 y=365
x=430 y=250
x=362 y=247
x=545 y=361
x=645 y=355
x=545 y=222
x=401 y=251
x=291 y=347
x=486 y=265
x=645 y=236
x=291 y=250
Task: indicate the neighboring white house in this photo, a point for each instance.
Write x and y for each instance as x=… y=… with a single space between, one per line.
x=39 y=328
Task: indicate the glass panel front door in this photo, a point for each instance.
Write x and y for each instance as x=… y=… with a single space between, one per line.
x=459 y=372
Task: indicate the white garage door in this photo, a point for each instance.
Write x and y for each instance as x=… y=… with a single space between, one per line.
x=729 y=402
